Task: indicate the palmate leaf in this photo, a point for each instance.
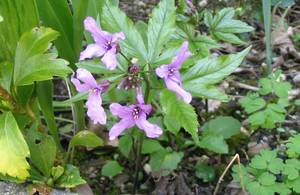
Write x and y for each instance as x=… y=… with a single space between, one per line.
x=200 y=80
x=115 y=20
x=160 y=27
x=183 y=113
x=14 y=149
x=31 y=63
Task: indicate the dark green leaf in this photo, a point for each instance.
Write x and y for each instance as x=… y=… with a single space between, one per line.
x=111 y=169
x=71 y=178
x=125 y=145
x=150 y=146
x=205 y=172
x=215 y=143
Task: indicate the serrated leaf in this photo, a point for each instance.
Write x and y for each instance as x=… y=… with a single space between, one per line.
x=31 y=61
x=116 y=20
x=252 y=102
x=293 y=146
x=150 y=146
x=161 y=26
x=71 y=178
x=86 y=138
x=111 y=169
x=201 y=78
x=14 y=149
x=181 y=112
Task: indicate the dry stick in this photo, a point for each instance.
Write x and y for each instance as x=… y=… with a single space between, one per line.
x=236 y=157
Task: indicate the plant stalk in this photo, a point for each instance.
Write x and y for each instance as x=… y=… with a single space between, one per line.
x=268 y=32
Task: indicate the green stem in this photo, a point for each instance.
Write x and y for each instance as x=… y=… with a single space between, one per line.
x=125 y=57
x=268 y=32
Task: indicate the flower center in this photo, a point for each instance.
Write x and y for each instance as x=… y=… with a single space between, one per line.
x=108 y=45
x=95 y=90
x=135 y=113
x=171 y=71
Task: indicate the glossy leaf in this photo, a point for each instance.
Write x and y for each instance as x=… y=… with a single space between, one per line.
x=86 y=138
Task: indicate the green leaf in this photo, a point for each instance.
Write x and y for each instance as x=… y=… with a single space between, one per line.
x=125 y=145
x=293 y=146
x=252 y=102
x=86 y=138
x=31 y=63
x=57 y=171
x=205 y=172
x=267 y=160
x=183 y=113
x=14 y=149
x=111 y=169
x=160 y=28
x=267 y=179
x=68 y=103
x=223 y=27
x=266 y=86
x=150 y=146
x=172 y=124
x=297 y=102
x=95 y=66
x=201 y=78
x=1 y=18
x=283 y=3
x=291 y=168
x=39 y=143
x=115 y=20
x=71 y=178
x=282 y=89
x=223 y=125
x=215 y=143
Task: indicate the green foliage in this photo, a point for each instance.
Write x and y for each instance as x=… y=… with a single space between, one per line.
x=205 y=172
x=200 y=80
x=264 y=112
x=31 y=61
x=183 y=113
x=150 y=146
x=293 y=145
x=86 y=138
x=70 y=178
x=216 y=131
x=125 y=145
x=14 y=149
x=111 y=169
x=223 y=27
x=283 y=3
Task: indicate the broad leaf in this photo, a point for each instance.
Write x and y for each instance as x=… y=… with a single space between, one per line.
x=115 y=20
x=201 y=78
x=14 y=149
x=111 y=169
x=31 y=61
x=71 y=178
x=215 y=143
x=160 y=27
x=150 y=146
x=86 y=138
x=183 y=113
x=125 y=145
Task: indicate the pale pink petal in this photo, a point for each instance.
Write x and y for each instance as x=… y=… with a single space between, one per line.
x=117 y=36
x=139 y=95
x=182 y=55
x=92 y=50
x=173 y=86
x=176 y=77
x=119 y=127
x=120 y=111
x=80 y=87
x=86 y=77
x=95 y=110
x=150 y=129
x=100 y=37
x=146 y=108
x=162 y=71
x=110 y=59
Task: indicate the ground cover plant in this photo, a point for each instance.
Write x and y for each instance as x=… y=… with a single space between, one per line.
x=182 y=97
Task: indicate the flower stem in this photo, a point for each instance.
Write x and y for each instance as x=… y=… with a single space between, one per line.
x=125 y=57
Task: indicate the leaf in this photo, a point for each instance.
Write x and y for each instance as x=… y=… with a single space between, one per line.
x=201 y=78
x=223 y=27
x=183 y=113
x=86 y=138
x=205 y=172
x=39 y=143
x=267 y=179
x=283 y=3
x=293 y=146
x=115 y=20
x=71 y=178
x=125 y=145
x=68 y=103
x=172 y=124
x=14 y=149
x=31 y=63
x=215 y=143
x=222 y=125
x=252 y=102
x=161 y=26
x=111 y=169
x=57 y=171
x=150 y=146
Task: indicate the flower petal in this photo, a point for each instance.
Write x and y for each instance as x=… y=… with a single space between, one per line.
x=80 y=87
x=181 y=56
x=173 y=86
x=86 y=77
x=95 y=110
x=150 y=129
x=162 y=71
x=120 y=111
x=92 y=50
x=119 y=127
x=146 y=108
x=100 y=37
x=110 y=59
x=117 y=36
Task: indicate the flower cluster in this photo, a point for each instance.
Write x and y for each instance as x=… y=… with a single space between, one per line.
x=106 y=46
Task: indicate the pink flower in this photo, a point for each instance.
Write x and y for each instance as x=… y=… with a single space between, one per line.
x=133 y=115
x=85 y=81
x=106 y=44
x=171 y=75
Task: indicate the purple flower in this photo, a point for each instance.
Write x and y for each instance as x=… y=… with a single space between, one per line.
x=106 y=44
x=170 y=73
x=133 y=115
x=85 y=81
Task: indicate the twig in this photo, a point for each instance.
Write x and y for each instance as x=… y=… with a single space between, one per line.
x=245 y=86
x=236 y=157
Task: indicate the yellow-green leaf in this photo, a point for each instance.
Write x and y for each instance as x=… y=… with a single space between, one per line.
x=14 y=149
